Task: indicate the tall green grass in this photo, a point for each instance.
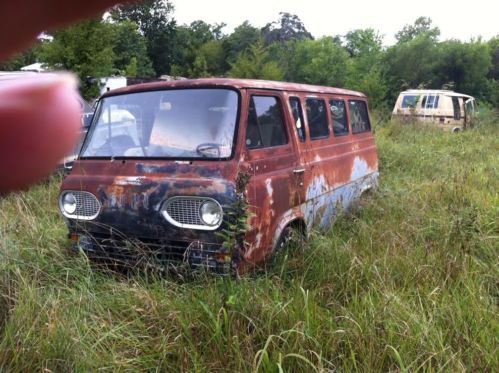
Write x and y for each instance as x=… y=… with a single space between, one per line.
x=408 y=280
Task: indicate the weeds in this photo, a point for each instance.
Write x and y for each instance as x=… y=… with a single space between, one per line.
x=405 y=281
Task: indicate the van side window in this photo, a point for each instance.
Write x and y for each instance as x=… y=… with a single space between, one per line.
x=265 y=123
x=430 y=102
x=359 y=118
x=410 y=101
x=339 y=115
x=317 y=118
x=295 y=104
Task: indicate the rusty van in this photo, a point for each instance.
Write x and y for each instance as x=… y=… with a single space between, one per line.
x=164 y=164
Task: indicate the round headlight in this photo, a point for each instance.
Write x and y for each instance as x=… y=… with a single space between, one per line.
x=211 y=213
x=69 y=203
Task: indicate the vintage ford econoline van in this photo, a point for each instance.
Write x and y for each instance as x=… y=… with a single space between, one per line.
x=172 y=167
x=447 y=109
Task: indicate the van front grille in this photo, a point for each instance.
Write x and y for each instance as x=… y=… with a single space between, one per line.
x=87 y=204
x=185 y=210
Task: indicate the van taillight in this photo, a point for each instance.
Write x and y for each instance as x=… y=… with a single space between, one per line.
x=442 y=120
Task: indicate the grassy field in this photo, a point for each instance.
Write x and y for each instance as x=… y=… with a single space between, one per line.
x=407 y=281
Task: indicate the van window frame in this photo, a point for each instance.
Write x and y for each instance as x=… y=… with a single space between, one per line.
x=369 y=130
x=279 y=100
x=425 y=98
x=347 y=116
x=416 y=104
x=326 y=107
x=99 y=108
x=301 y=117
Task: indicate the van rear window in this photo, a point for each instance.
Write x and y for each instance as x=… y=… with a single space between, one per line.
x=317 y=118
x=359 y=118
x=410 y=101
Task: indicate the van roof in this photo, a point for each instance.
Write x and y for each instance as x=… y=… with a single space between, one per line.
x=233 y=83
x=444 y=92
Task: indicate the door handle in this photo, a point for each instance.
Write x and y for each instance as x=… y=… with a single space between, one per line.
x=298 y=171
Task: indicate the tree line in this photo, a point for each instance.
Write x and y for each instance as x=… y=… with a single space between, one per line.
x=144 y=40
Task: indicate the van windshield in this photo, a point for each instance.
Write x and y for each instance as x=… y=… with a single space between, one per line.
x=179 y=123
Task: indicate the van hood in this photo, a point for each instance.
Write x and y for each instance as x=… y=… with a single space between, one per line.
x=131 y=194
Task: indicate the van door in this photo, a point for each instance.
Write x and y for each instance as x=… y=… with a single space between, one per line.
x=469 y=112
x=457 y=108
x=273 y=166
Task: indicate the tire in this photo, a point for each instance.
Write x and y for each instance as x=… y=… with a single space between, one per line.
x=290 y=236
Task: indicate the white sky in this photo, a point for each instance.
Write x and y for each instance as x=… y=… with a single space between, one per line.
x=456 y=19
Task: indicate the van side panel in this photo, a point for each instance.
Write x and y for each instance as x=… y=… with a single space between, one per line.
x=338 y=170
x=308 y=182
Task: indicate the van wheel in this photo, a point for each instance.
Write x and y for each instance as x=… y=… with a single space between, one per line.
x=456 y=130
x=291 y=236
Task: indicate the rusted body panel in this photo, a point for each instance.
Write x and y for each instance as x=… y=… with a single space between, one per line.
x=304 y=183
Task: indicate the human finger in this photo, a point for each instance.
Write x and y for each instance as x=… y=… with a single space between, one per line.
x=22 y=21
x=39 y=122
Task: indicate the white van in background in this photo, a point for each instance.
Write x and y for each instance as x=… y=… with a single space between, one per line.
x=447 y=109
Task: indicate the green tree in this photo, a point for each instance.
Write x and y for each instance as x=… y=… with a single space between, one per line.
x=321 y=61
x=154 y=20
x=131 y=69
x=130 y=49
x=86 y=49
x=199 y=68
x=255 y=64
x=493 y=76
x=240 y=40
x=284 y=54
x=287 y=27
x=199 y=41
x=422 y=26
x=365 y=65
x=494 y=53
x=464 y=66
x=214 y=55
x=411 y=64
x=364 y=42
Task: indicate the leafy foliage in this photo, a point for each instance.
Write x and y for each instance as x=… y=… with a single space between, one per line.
x=130 y=49
x=465 y=65
x=255 y=64
x=153 y=18
x=321 y=61
x=86 y=49
x=240 y=40
x=288 y=27
x=144 y=40
x=422 y=26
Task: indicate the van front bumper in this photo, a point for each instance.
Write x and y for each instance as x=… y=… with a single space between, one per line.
x=137 y=252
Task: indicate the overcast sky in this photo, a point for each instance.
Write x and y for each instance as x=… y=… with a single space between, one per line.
x=456 y=19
